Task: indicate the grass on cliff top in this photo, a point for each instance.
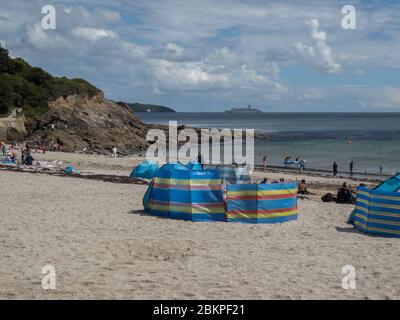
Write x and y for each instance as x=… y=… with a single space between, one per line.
x=31 y=88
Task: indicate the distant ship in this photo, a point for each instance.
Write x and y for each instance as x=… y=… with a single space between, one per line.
x=248 y=109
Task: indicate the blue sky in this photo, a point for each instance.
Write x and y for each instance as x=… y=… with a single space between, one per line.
x=212 y=55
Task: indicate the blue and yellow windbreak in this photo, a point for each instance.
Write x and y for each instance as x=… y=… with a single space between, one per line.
x=186 y=194
x=377 y=212
x=262 y=203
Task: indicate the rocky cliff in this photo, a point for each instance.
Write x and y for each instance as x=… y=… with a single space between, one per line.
x=94 y=124
x=12 y=127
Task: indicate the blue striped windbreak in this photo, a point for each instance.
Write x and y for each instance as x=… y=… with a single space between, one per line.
x=377 y=212
x=186 y=194
x=262 y=203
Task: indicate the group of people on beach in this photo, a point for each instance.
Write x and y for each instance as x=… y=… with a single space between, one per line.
x=345 y=194
x=301 y=189
x=26 y=156
x=267 y=181
x=335 y=168
x=9 y=153
x=301 y=165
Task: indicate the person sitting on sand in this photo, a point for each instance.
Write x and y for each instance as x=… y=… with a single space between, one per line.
x=281 y=180
x=344 y=194
x=13 y=157
x=7 y=158
x=264 y=181
x=302 y=188
x=28 y=159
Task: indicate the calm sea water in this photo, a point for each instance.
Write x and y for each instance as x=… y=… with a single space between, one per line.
x=320 y=138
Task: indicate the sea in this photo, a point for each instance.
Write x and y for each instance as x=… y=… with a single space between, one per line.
x=370 y=140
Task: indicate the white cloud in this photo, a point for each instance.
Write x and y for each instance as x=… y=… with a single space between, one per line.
x=45 y=39
x=171 y=76
x=93 y=34
x=239 y=52
x=320 y=54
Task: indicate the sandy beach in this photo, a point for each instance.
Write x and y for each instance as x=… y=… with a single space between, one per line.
x=103 y=247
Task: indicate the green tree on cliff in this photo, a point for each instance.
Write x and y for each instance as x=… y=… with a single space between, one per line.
x=31 y=88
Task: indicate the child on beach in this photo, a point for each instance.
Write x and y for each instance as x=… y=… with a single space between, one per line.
x=302 y=189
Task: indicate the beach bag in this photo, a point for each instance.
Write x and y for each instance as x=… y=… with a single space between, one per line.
x=327 y=198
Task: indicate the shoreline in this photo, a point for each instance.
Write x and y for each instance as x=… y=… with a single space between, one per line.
x=107 y=168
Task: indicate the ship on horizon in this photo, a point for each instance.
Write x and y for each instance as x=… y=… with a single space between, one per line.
x=248 y=109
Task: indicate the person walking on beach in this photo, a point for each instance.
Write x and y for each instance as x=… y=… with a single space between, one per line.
x=302 y=165
x=265 y=163
x=380 y=169
x=351 y=168
x=114 y=152
x=335 y=167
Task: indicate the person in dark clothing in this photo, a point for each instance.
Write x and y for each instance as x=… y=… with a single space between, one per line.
x=344 y=195
x=351 y=167
x=335 y=167
x=264 y=181
x=23 y=156
x=29 y=160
